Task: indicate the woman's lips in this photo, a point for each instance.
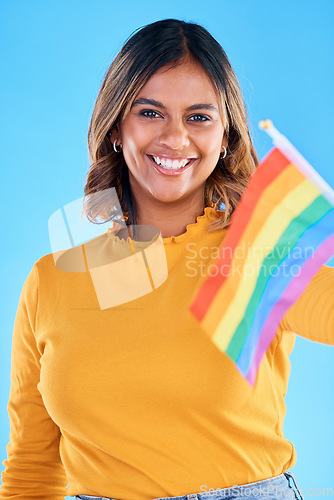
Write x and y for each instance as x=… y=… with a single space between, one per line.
x=169 y=171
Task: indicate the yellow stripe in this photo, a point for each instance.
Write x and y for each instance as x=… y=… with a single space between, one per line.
x=291 y=206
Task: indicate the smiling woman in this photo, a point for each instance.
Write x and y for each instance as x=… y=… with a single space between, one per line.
x=172 y=102
x=134 y=401
x=171 y=148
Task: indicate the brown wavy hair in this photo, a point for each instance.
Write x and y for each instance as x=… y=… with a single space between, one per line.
x=169 y=41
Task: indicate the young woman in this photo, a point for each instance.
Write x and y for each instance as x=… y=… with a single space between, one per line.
x=134 y=402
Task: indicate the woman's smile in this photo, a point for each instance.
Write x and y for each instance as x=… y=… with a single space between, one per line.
x=170 y=165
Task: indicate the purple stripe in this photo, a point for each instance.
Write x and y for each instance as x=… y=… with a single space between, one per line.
x=291 y=294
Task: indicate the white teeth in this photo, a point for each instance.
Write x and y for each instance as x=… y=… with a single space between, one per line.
x=170 y=164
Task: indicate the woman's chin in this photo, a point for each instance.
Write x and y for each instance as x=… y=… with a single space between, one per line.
x=168 y=197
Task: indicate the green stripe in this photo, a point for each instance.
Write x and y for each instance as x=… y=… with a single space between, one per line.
x=308 y=217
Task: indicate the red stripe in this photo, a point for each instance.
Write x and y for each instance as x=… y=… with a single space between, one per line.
x=266 y=172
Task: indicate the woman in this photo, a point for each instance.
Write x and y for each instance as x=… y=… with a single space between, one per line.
x=134 y=401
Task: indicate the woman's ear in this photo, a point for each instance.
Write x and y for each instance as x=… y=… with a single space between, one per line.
x=224 y=141
x=114 y=133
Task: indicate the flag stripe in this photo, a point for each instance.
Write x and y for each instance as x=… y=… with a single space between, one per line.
x=240 y=290
x=325 y=251
x=271 y=167
x=274 y=263
x=276 y=288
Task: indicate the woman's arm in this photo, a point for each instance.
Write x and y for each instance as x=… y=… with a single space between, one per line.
x=33 y=467
x=312 y=315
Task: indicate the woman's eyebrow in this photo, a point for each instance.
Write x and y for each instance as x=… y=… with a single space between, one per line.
x=153 y=102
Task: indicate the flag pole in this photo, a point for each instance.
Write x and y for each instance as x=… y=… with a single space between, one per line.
x=282 y=143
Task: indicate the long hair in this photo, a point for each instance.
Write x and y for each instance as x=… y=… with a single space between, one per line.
x=169 y=42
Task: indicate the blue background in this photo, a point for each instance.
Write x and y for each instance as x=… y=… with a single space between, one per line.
x=55 y=54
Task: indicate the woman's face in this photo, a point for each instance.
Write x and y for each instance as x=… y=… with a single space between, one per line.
x=173 y=135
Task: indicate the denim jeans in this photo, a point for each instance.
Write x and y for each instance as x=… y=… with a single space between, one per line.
x=282 y=487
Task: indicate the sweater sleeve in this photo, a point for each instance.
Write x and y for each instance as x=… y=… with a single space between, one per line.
x=33 y=468
x=312 y=315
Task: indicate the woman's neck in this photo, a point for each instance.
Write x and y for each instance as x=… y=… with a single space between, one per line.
x=171 y=218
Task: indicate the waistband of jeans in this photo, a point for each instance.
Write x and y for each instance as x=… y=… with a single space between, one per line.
x=218 y=493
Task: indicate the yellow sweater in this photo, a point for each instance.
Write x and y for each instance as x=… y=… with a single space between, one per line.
x=135 y=402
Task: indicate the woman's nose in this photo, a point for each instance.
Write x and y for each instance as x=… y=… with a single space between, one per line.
x=174 y=135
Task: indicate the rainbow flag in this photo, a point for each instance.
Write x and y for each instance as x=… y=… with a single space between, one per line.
x=280 y=235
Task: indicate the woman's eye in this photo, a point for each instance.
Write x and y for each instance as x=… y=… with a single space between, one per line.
x=199 y=118
x=149 y=113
